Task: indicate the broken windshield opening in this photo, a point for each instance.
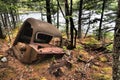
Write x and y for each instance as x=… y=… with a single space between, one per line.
x=42 y=38
x=26 y=33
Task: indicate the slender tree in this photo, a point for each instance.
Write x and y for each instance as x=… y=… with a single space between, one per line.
x=88 y=25
x=57 y=14
x=12 y=14
x=1 y=32
x=60 y=8
x=101 y=20
x=116 y=55
x=80 y=19
x=2 y=19
x=72 y=27
x=67 y=18
x=48 y=11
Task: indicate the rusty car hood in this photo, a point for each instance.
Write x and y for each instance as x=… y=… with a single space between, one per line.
x=46 y=48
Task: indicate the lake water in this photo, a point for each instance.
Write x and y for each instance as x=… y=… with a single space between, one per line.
x=37 y=15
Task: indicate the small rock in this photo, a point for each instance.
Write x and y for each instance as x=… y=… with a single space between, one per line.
x=4 y=59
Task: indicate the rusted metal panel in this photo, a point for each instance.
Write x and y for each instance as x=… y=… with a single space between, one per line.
x=47 y=49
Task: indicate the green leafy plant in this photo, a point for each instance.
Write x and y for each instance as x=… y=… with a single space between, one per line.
x=64 y=48
x=110 y=47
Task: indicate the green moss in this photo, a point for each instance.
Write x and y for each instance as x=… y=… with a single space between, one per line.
x=43 y=78
x=79 y=47
x=103 y=59
x=95 y=67
x=64 y=48
x=34 y=78
x=99 y=76
x=92 y=41
x=107 y=70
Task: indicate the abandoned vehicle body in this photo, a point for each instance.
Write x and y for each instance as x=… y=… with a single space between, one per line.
x=34 y=41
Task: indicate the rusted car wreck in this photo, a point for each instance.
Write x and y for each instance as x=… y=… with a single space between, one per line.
x=34 y=41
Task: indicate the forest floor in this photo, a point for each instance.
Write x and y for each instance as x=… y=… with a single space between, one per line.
x=82 y=63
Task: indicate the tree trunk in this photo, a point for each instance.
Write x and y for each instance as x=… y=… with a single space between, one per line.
x=67 y=18
x=1 y=32
x=100 y=25
x=48 y=11
x=8 y=19
x=72 y=28
x=41 y=13
x=17 y=17
x=60 y=8
x=88 y=26
x=80 y=19
x=2 y=18
x=5 y=20
x=57 y=15
x=116 y=55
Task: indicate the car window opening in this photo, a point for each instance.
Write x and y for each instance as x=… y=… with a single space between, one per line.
x=26 y=34
x=42 y=38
